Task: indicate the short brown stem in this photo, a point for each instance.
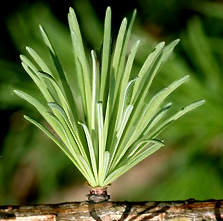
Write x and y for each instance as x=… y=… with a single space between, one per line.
x=98 y=194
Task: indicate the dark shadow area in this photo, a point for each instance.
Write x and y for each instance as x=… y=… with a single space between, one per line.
x=93 y=212
x=7 y=216
x=217 y=211
x=126 y=212
x=155 y=213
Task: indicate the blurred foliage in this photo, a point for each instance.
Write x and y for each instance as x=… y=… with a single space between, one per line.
x=32 y=169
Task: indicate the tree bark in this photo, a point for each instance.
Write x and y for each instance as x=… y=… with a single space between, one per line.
x=172 y=210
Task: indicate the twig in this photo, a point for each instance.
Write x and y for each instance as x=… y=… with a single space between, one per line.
x=165 y=210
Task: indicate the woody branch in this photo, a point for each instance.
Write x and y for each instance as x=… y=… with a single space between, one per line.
x=171 y=210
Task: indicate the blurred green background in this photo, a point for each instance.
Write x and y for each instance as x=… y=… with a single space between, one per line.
x=34 y=170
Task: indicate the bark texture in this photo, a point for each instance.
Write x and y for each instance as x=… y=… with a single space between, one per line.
x=173 y=210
